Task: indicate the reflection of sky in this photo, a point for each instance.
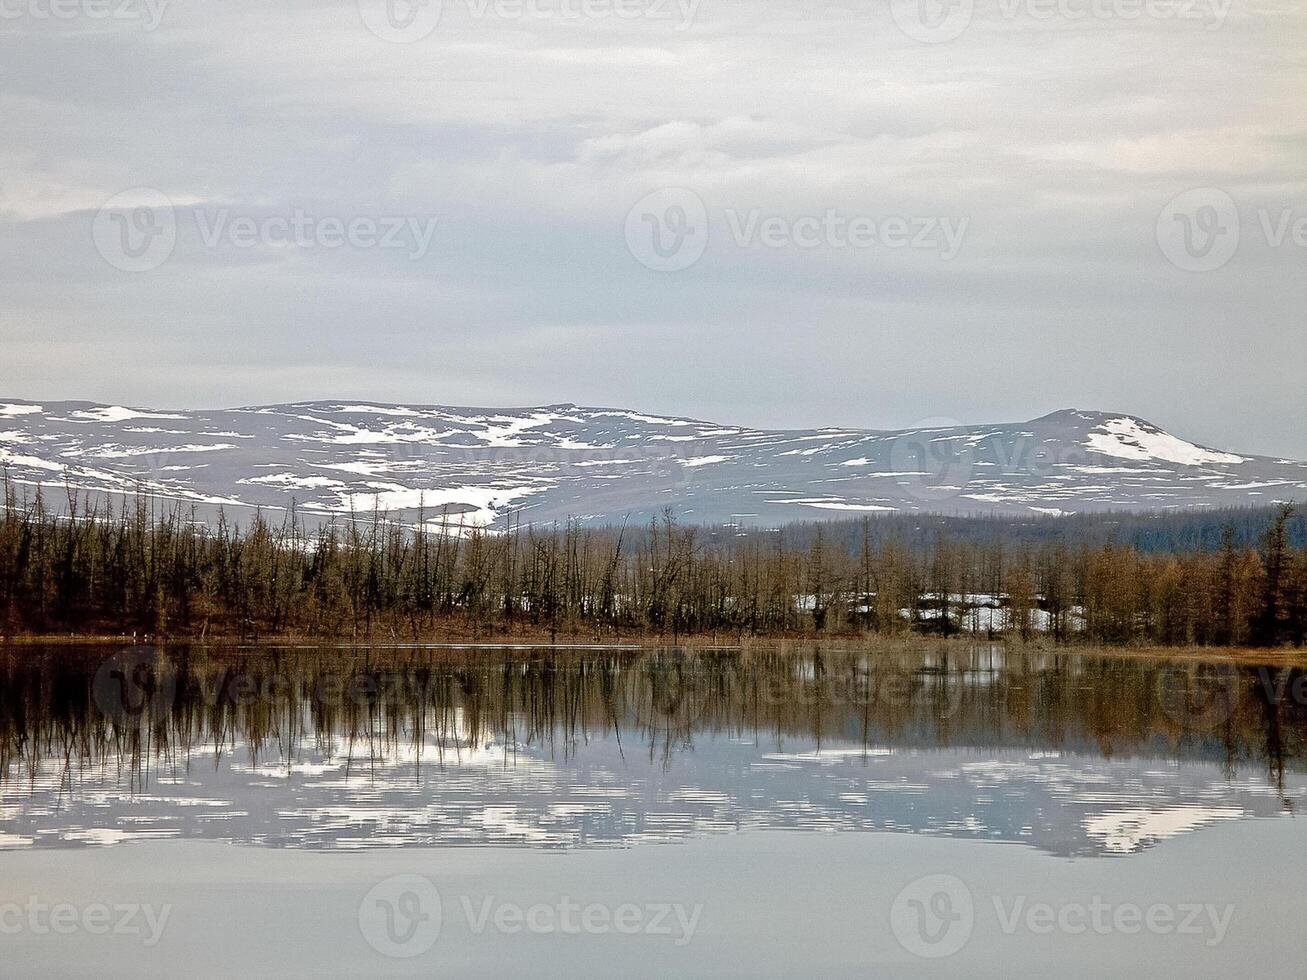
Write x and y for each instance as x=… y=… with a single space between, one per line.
x=599 y=793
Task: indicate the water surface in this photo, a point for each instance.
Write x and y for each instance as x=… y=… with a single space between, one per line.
x=784 y=792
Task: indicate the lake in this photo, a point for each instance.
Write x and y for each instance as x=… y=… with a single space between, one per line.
x=928 y=808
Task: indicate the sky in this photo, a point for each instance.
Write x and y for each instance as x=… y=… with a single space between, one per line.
x=763 y=212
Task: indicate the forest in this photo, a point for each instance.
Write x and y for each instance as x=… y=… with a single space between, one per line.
x=151 y=568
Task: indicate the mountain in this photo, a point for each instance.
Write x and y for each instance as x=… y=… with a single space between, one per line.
x=601 y=465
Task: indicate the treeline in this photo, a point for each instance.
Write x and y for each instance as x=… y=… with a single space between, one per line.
x=1205 y=529
x=89 y=568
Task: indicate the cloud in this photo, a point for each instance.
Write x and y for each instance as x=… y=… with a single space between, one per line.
x=528 y=139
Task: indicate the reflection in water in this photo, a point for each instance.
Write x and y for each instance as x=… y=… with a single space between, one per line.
x=337 y=749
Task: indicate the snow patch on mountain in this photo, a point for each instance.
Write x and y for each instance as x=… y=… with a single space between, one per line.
x=116 y=413
x=473 y=505
x=1129 y=438
x=8 y=458
x=548 y=463
x=119 y=452
x=637 y=417
x=829 y=504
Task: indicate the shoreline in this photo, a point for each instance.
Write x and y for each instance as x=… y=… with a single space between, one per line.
x=1251 y=656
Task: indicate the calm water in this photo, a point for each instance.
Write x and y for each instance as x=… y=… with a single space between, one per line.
x=942 y=809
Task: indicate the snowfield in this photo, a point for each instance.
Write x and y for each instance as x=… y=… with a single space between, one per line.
x=545 y=464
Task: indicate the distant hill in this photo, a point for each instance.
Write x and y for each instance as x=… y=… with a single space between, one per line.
x=602 y=465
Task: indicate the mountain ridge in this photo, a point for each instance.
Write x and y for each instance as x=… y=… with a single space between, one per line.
x=601 y=464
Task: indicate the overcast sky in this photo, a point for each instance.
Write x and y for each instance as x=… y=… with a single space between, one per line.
x=862 y=213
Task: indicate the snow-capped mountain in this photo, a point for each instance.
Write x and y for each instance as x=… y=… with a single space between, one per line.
x=476 y=465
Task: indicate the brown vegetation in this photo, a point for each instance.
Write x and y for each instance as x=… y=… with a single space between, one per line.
x=89 y=569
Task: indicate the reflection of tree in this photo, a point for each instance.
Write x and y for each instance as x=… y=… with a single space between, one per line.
x=366 y=705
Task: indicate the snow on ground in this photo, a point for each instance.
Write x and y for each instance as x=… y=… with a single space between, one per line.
x=122 y=452
x=832 y=503
x=646 y=419
x=1092 y=470
x=1252 y=486
x=20 y=409
x=389 y=497
x=117 y=413
x=362 y=467
x=290 y=480
x=8 y=458
x=357 y=435
x=502 y=431
x=376 y=410
x=567 y=442
x=1127 y=438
